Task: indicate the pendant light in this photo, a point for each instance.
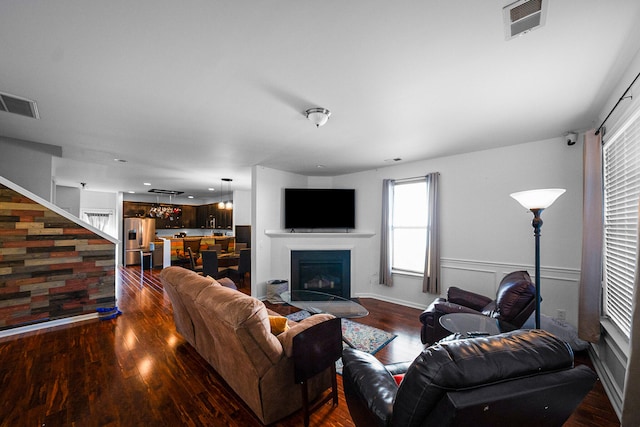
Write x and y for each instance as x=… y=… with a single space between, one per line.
x=229 y=205
x=221 y=203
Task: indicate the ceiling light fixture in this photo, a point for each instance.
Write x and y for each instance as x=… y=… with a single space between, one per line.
x=221 y=203
x=318 y=116
x=229 y=205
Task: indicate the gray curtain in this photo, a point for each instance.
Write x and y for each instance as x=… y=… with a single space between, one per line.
x=631 y=396
x=431 y=278
x=592 y=223
x=385 y=241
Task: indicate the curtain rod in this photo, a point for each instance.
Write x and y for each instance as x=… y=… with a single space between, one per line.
x=414 y=178
x=616 y=106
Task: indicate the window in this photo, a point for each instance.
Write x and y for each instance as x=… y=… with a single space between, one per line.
x=409 y=226
x=621 y=156
x=102 y=219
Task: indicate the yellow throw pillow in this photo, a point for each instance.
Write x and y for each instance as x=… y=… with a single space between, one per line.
x=278 y=324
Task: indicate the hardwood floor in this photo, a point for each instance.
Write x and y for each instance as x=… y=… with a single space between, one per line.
x=135 y=370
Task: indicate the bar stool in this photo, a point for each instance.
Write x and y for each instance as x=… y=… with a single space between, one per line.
x=143 y=254
x=315 y=350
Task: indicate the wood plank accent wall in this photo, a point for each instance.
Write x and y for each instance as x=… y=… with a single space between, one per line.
x=50 y=266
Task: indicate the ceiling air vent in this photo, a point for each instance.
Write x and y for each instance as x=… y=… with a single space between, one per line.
x=17 y=105
x=166 y=192
x=523 y=16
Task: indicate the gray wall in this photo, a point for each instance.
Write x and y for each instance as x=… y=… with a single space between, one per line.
x=28 y=164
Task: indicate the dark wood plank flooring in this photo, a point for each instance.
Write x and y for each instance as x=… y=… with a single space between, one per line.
x=135 y=370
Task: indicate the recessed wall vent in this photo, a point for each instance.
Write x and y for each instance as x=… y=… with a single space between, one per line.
x=18 y=105
x=523 y=16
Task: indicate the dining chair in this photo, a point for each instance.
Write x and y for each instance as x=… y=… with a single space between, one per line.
x=192 y=243
x=217 y=248
x=192 y=261
x=210 y=265
x=224 y=244
x=244 y=266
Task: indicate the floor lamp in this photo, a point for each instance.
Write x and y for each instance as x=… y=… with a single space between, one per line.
x=537 y=201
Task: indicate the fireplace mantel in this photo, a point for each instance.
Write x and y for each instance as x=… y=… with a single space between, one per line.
x=285 y=233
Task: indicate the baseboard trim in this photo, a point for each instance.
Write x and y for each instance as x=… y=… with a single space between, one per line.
x=607 y=383
x=46 y=325
x=382 y=298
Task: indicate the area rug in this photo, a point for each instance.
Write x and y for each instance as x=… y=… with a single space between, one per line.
x=363 y=337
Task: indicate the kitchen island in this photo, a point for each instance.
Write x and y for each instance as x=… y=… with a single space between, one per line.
x=178 y=256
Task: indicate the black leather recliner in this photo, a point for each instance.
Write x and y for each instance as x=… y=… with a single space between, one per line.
x=514 y=303
x=523 y=378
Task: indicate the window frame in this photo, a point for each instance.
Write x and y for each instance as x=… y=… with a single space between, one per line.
x=620 y=222
x=393 y=226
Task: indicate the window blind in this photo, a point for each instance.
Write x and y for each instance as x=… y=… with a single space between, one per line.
x=621 y=189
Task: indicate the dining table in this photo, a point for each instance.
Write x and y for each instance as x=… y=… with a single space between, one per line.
x=230 y=259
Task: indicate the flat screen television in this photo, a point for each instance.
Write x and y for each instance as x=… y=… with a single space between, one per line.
x=319 y=208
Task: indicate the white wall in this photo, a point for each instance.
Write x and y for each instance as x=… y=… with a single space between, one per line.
x=268 y=189
x=485 y=233
x=241 y=207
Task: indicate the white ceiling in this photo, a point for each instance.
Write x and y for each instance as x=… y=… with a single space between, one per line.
x=189 y=92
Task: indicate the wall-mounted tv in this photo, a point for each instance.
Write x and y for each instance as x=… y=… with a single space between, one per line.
x=319 y=208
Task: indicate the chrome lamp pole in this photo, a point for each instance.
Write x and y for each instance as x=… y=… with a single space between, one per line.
x=537 y=201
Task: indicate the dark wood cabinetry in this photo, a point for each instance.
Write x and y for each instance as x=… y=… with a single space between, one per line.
x=189 y=217
x=182 y=216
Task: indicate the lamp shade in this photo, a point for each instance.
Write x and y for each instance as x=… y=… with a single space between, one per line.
x=538 y=199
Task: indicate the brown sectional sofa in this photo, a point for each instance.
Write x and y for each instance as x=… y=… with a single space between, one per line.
x=231 y=331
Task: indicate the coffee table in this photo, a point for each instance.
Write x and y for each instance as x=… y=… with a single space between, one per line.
x=470 y=324
x=320 y=302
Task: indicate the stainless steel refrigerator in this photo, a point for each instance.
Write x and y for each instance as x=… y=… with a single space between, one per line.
x=138 y=234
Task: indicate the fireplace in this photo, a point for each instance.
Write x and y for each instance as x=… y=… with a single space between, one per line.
x=327 y=271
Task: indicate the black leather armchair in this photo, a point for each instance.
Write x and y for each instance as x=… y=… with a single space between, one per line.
x=514 y=303
x=523 y=378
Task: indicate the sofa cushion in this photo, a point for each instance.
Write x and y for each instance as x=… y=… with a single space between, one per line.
x=180 y=283
x=286 y=338
x=224 y=281
x=226 y=311
x=472 y=300
x=278 y=324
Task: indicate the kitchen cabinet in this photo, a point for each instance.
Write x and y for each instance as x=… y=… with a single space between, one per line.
x=181 y=216
x=189 y=216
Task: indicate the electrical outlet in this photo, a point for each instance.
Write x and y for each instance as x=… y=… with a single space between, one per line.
x=561 y=314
